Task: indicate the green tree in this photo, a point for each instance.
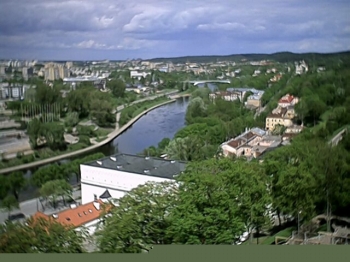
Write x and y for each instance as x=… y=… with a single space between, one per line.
x=54 y=135
x=30 y=94
x=41 y=236
x=101 y=109
x=78 y=101
x=72 y=119
x=16 y=182
x=186 y=148
x=4 y=187
x=34 y=132
x=56 y=188
x=48 y=173
x=140 y=220
x=207 y=212
x=9 y=203
x=196 y=108
x=47 y=95
x=117 y=87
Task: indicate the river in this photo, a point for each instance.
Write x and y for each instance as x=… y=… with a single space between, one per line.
x=148 y=131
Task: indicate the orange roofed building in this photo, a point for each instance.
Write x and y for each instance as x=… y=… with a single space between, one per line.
x=87 y=215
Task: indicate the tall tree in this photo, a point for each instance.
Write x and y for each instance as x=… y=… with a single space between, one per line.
x=207 y=212
x=48 y=173
x=9 y=203
x=140 y=219
x=117 y=87
x=17 y=182
x=55 y=188
x=41 y=236
x=4 y=187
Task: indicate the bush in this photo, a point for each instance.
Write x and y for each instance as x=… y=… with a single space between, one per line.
x=84 y=140
x=85 y=131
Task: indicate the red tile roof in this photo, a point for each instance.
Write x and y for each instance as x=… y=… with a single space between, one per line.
x=77 y=216
x=286 y=99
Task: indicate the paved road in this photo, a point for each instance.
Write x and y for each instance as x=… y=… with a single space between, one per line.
x=29 y=207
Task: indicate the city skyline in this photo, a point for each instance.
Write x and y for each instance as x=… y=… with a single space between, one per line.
x=119 y=30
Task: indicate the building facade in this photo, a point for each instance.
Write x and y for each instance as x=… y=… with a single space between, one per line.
x=118 y=174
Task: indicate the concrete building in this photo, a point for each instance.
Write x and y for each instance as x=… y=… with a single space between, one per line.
x=279 y=116
x=14 y=91
x=225 y=95
x=138 y=75
x=2 y=70
x=255 y=99
x=250 y=144
x=55 y=71
x=120 y=173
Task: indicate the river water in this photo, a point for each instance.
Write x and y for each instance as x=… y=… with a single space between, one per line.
x=148 y=131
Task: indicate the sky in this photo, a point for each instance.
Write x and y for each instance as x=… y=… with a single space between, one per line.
x=132 y=29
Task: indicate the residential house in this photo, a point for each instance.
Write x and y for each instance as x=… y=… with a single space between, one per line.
x=78 y=216
x=288 y=100
x=227 y=96
x=292 y=131
x=276 y=78
x=251 y=144
x=278 y=116
x=255 y=99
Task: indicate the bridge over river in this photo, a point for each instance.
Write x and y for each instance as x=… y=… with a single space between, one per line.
x=197 y=82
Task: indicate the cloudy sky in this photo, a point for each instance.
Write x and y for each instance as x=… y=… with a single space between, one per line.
x=122 y=29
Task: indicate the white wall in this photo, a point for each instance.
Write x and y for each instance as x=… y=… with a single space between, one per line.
x=88 y=192
x=95 y=180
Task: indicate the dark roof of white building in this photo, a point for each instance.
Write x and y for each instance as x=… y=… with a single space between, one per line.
x=150 y=166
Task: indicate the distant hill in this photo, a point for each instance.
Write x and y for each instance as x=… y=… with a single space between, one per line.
x=279 y=57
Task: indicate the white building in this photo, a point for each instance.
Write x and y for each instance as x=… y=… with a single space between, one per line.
x=138 y=75
x=118 y=174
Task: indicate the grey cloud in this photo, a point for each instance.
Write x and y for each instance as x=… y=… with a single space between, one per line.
x=177 y=27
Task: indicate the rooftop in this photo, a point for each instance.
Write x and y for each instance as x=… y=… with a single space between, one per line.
x=150 y=166
x=76 y=216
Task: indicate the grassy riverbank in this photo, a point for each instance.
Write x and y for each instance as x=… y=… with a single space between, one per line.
x=130 y=112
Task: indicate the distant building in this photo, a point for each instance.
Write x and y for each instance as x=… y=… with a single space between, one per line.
x=55 y=71
x=255 y=99
x=138 y=75
x=27 y=72
x=251 y=144
x=120 y=173
x=12 y=91
x=225 y=95
x=280 y=116
x=288 y=100
x=2 y=70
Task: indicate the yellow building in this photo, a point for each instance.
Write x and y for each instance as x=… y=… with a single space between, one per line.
x=281 y=117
